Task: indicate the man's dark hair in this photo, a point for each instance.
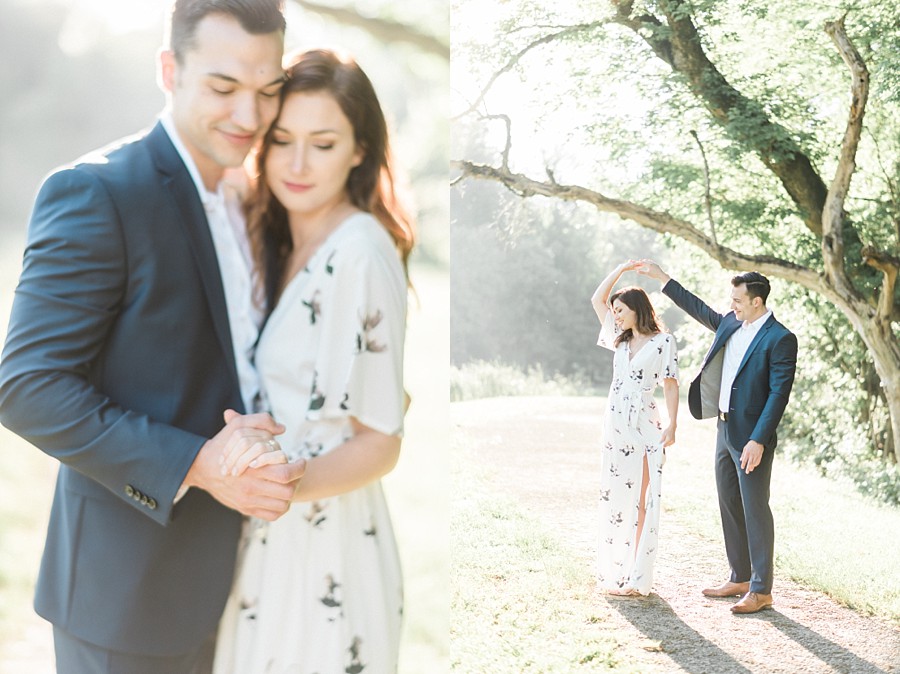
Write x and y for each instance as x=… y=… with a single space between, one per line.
x=757 y=284
x=257 y=17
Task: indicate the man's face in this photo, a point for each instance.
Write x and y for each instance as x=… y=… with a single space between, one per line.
x=745 y=309
x=224 y=95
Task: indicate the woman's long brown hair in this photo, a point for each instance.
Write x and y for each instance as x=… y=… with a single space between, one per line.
x=645 y=320
x=370 y=186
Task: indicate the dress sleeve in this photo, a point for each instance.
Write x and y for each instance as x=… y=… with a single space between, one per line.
x=359 y=364
x=668 y=363
x=608 y=332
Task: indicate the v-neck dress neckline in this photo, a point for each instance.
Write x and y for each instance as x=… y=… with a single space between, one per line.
x=632 y=356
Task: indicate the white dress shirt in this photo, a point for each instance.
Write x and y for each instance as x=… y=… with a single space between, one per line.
x=229 y=235
x=735 y=349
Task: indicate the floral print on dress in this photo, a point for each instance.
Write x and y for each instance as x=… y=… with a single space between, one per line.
x=313 y=306
x=632 y=431
x=329 y=569
x=363 y=340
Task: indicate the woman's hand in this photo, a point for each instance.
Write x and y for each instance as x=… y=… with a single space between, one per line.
x=668 y=436
x=252 y=454
x=601 y=294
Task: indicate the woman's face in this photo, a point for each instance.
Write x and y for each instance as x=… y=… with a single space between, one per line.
x=625 y=317
x=313 y=150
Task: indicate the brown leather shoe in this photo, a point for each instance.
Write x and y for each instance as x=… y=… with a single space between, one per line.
x=727 y=589
x=752 y=602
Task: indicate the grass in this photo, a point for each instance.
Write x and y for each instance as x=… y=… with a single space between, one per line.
x=829 y=537
x=522 y=601
x=416 y=492
x=522 y=604
x=482 y=379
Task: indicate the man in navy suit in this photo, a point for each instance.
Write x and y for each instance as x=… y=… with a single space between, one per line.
x=131 y=334
x=745 y=382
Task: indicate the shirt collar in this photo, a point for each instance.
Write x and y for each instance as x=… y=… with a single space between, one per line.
x=208 y=198
x=758 y=323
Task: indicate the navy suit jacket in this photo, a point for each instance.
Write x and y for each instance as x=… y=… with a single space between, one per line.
x=764 y=378
x=119 y=363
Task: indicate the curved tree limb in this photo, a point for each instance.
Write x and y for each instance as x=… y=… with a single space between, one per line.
x=658 y=221
x=382 y=29
x=833 y=213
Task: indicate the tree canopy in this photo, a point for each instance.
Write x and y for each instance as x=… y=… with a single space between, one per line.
x=764 y=135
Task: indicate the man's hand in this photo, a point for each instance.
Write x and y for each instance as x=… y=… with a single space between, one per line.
x=650 y=268
x=265 y=492
x=751 y=456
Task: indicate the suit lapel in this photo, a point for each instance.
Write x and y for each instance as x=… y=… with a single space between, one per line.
x=192 y=217
x=756 y=340
x=721 y=338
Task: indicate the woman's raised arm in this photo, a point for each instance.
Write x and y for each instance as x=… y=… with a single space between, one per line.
x=601 y=294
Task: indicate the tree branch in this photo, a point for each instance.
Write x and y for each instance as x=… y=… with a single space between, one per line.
x=888 y=265
x=833 y=212
x=384 y=30
x=646 y=217
x=708 y=197
x=891 y=189
x=504 y=156
x=681 y=47
x=511 y=63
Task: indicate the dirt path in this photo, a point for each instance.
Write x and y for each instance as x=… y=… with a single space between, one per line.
x=542 y=451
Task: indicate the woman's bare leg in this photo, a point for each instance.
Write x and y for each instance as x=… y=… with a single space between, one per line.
x=642 y=505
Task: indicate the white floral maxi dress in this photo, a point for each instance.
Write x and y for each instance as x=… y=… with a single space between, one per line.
x=319 y=591
x=632 y=430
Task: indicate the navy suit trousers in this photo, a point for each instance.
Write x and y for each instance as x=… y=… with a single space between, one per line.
x=747 y=522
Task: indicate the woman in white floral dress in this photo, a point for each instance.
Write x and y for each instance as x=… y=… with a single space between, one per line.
x=634 y=441
x=319 y=590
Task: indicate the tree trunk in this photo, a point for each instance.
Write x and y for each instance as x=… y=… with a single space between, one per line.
x=885 y=352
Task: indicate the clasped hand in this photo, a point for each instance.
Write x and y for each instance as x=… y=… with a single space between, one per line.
x=252 y=448
x=243 y=467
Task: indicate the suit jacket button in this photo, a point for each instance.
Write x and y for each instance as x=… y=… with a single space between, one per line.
x=129 y=490
x=151 y=504
x=144 y=499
